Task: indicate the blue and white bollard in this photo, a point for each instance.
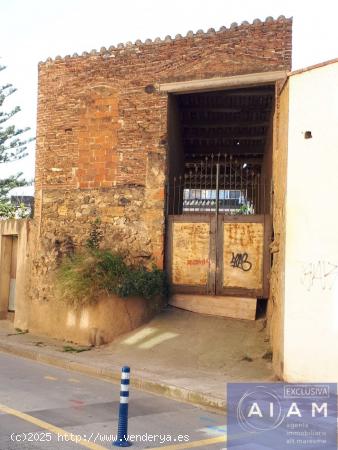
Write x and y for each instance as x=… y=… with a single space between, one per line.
x=122 y=430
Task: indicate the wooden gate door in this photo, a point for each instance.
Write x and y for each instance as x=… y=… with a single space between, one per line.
x=242 y=255
x=190 y=253
x=217 y=239
x=221 y=255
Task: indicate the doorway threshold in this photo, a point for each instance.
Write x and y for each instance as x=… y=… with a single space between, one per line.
x=221 y=306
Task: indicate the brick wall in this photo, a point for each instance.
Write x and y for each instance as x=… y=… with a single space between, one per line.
x=102 y=134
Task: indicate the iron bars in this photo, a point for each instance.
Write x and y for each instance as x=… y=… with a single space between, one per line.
x=220 y=183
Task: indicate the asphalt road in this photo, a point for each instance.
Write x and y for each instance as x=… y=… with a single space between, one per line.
x=43 y=407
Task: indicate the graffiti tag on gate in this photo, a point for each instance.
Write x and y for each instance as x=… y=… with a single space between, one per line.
x=197 y=262
x=240 y=261
x=321 y=273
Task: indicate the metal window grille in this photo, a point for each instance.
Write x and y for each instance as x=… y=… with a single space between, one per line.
x=217 y=183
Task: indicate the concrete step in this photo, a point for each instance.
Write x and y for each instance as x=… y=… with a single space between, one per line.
x=222 y=306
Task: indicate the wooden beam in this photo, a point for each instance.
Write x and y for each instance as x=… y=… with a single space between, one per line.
x=228 y=139
x=202 y=116
x=193 y=149
x=222 y=83
x=224 y=133
x=250 y=160
x=222 y=124
x=208 y=108
x=232 y=109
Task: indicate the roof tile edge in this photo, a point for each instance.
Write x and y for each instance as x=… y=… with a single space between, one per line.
x=168 y=39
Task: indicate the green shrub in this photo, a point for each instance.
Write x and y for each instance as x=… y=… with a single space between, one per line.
x=83 y=277
x=76 y=280
x=139 y=281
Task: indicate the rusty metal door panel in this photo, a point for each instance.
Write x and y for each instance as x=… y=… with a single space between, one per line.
x=243 y=256
x=191 y=253
x=224 y=256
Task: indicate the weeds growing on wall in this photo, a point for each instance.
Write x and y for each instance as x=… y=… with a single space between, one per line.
x=87 y=275
x=84 y=276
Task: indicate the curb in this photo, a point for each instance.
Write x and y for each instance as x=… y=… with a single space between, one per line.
x=195 y=398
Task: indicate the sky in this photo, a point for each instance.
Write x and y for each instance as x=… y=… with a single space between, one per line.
x=33 y=30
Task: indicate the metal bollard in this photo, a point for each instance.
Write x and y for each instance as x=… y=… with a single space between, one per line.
x=122 y=430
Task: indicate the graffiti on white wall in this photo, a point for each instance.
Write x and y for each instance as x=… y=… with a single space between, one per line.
x=322 y=274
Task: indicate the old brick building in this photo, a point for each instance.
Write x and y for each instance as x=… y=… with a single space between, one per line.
x=110 y=137
x=102 y=127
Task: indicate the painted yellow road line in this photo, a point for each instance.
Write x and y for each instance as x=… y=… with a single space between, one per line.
x=193 y=444
x=50 y=378
x=74 y=380
x=70 y=437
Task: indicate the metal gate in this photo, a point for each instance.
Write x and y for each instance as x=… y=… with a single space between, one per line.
x=218 y=233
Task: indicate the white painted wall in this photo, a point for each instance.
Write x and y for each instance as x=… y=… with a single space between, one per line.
x=311 y=259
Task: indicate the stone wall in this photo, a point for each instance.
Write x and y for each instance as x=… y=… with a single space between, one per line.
x=102 y=136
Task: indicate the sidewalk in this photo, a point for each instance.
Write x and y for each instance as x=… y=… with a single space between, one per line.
x=181 y=355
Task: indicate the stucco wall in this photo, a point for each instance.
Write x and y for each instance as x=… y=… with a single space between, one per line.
x=94 y=324
x=21 y=230
x=311 y=254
